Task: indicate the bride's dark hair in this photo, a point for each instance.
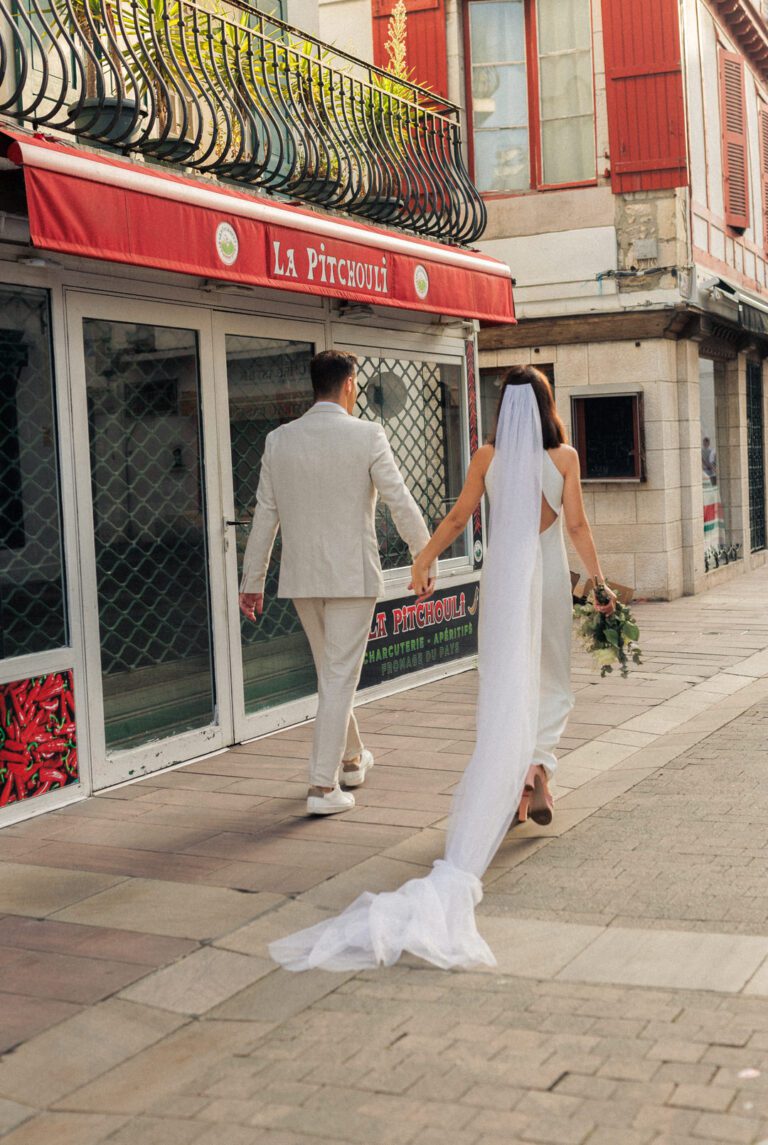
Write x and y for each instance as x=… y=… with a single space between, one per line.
x=552 y=428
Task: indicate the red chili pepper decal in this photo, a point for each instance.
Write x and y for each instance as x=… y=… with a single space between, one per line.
x=38 y=741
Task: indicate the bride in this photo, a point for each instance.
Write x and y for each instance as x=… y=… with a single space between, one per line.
x=532 y=480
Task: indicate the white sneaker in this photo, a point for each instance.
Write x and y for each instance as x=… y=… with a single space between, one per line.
x=330 y=803
x=355 y=778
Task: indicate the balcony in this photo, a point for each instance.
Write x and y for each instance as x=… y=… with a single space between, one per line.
x=222 y=89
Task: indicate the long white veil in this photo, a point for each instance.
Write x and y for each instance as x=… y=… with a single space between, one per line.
x=434 y=917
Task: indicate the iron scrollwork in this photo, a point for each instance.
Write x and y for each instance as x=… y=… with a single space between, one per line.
x=222 y=88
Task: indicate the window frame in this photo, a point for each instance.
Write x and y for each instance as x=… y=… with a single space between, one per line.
x=536 y=183
x=580 y=436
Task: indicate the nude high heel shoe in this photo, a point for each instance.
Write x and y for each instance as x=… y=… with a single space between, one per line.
x=536 y=802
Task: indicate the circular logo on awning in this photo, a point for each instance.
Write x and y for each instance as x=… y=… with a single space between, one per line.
x=227 y=246
x=421 y=282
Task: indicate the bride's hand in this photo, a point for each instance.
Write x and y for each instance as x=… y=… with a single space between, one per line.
x=609 y=607
x=421 y=583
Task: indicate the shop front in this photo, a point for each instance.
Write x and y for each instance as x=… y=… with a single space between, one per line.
x=155 y=329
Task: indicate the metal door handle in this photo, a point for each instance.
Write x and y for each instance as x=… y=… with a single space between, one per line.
x=238 y=524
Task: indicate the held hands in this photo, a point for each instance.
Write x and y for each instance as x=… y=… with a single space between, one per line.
x=251 y=604
x=421 y=582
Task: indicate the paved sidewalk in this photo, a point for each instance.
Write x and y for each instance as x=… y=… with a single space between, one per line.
x=630 y=1005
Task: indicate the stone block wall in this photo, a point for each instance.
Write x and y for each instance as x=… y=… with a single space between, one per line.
x=649 y=534
x=638 y=525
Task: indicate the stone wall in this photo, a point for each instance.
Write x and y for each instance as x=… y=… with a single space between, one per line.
x=638 y=526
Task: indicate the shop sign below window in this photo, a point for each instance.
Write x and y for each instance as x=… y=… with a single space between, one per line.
x=407 y=636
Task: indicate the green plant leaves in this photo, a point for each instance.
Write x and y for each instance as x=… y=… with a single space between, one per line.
x=610 y=639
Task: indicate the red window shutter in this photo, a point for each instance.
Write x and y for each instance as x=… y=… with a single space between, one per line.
x=426 y=51
x=646 y=110
x=763 y=128
x=733 y=130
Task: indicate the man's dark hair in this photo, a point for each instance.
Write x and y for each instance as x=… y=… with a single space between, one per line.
x=329 y=371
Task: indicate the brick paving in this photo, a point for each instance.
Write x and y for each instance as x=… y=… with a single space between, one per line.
x=630 y=1005
x=686 y=847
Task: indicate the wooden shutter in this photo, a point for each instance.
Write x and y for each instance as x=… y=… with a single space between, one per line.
x=426 y=51
x=763 y=129
x=733 y=130
x=733 y=127
x=646 y=110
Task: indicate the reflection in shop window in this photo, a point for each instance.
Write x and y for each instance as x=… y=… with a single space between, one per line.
x=419 y=405
x=711 y=402
x=32 y=607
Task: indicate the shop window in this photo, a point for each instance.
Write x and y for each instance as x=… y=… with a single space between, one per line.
x=719 y=547
x=530 y=85
x=419 y=405
x=608 y=436
x=32 y=606
x=490 y=388
x=756 y=456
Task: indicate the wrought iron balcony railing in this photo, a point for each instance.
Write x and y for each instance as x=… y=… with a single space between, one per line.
x=219 y=87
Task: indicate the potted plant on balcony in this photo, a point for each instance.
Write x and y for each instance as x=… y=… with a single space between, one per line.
x=131 y=48
x=112 y=118
x=390 y=115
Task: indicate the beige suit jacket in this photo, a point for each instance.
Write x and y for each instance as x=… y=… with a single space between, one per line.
x=320 y=476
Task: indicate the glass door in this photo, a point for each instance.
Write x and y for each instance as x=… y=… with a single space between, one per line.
x=44 y=744
x=152 y=558
x=264 y=367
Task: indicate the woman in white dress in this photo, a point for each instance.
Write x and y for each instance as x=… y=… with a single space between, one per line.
x=524 y=697
x=560 y=497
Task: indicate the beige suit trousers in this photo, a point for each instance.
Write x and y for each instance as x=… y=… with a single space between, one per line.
x=337 y=629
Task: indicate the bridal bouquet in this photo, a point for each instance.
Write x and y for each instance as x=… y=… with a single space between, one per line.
x=611 y=639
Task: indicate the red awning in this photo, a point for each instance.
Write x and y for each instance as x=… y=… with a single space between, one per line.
x=89 y=205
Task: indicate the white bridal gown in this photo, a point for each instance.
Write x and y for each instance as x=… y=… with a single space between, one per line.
x=434 y=917
x=555 y=696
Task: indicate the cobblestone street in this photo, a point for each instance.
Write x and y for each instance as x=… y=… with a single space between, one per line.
x=630 y=1003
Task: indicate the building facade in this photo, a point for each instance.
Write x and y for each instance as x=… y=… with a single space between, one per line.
x=621 y=147
x=179 y=234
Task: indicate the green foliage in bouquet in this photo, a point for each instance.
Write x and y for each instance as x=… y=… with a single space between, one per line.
x=610 y=639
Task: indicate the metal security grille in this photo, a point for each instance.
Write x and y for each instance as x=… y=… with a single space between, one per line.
x=149 y=526
x=32 y=606
x=268 y=385
x=412 y=400
x=756 y=455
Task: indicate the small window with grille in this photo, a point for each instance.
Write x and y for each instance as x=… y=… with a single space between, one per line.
x=608 y=432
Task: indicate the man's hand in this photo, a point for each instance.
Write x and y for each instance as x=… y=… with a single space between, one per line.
x=252 y=604
x=421 y=582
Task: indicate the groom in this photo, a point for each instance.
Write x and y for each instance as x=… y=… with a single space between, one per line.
x=319 y=479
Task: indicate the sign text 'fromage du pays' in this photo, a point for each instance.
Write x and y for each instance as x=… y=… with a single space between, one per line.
x=326 y=263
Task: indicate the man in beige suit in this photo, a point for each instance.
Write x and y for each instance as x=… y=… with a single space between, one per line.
x=320 y=476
